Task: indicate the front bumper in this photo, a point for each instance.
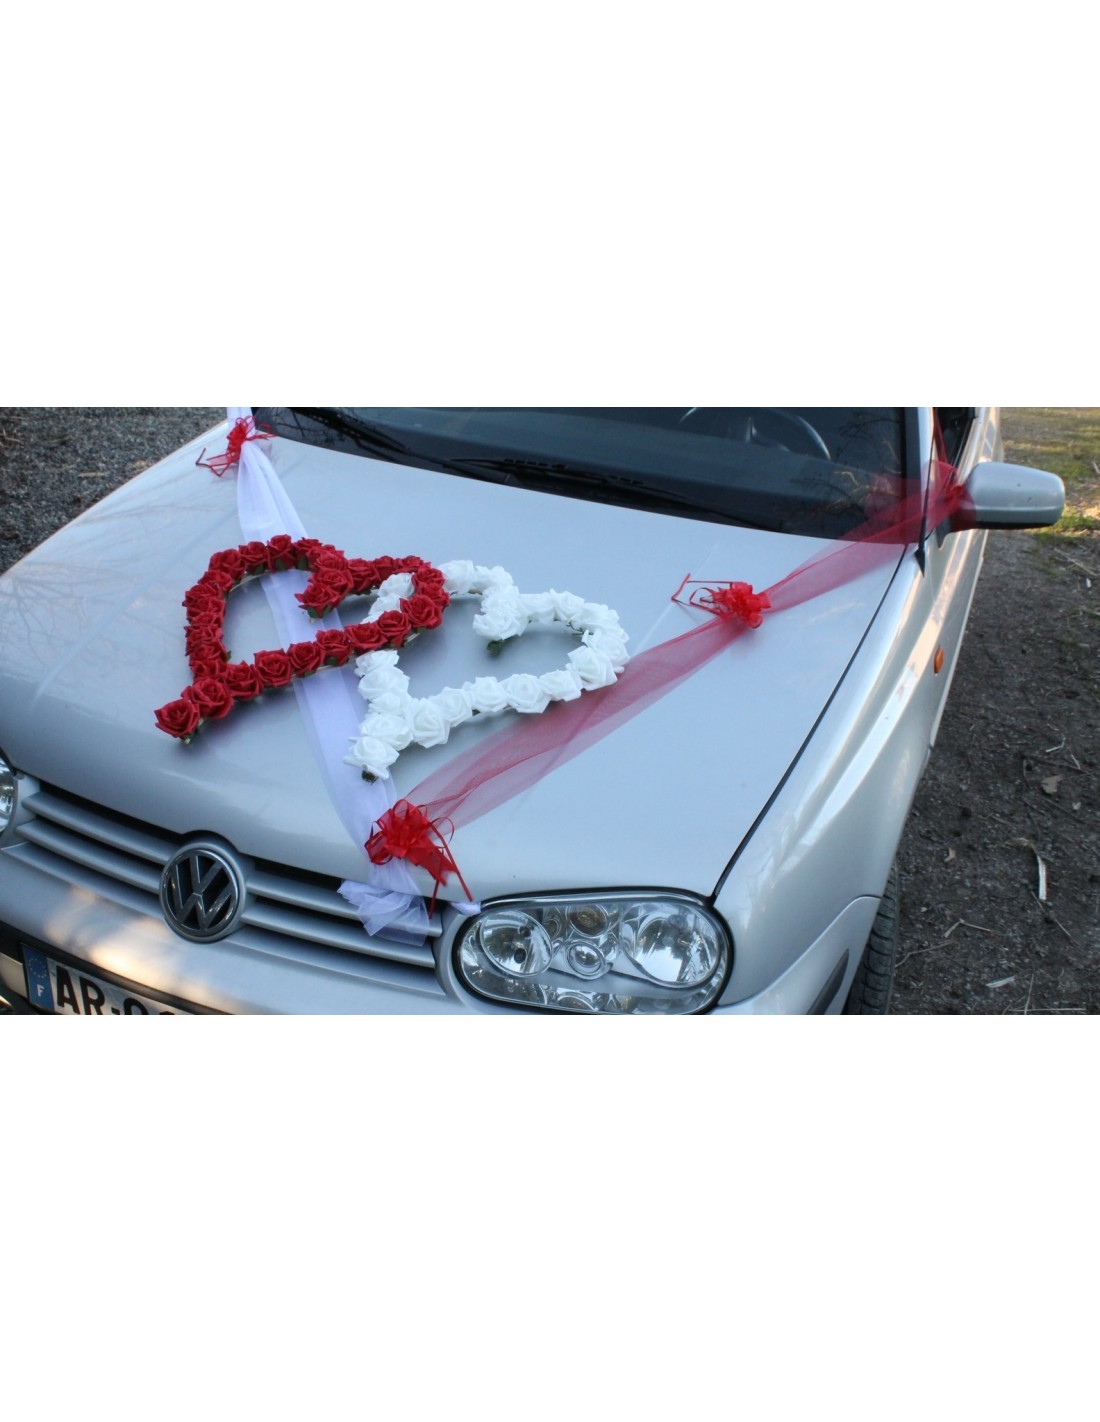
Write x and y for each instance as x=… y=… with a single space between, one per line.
x=112 y=932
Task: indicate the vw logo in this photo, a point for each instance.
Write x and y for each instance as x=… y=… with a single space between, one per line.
x=200 y=893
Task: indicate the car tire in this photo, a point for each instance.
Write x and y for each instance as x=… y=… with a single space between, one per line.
x=874 y=979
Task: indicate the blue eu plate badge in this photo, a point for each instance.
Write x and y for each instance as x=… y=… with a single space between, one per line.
x=39 y=990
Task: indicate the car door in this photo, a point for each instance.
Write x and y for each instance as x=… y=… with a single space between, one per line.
x=953 y=441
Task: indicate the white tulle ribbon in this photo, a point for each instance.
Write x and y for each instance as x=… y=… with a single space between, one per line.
x=330 y=704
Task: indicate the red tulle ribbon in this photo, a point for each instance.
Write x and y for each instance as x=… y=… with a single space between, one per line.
x=406 y=832
x=484 y=776
x=725 y=600
x=242 y=432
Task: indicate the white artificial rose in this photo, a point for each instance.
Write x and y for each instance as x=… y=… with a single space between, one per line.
x=599 y=618
x=391 y=703
x=539 y=607
x=501 y=616
x=455 y=704
x=563 y=685
x=405 y=584
x=372 y=755
x=458 y=577
x=378 y=674
x=369 y=661
x=593 y=668
x=487 y=695
x=610 y=646
x=394 y=730
x=429 y=725
x=395 y=587
x=387 y=681
x=526 y=693
x=495 y=578
x=567 y=605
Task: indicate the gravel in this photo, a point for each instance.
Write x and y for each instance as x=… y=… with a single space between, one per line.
x=56 y=462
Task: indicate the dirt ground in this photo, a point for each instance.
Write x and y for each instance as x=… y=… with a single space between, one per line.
x=1000 y=863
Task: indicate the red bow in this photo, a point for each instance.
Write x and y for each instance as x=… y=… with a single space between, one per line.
x=726 y=600
x=406 y=832
x=243 y=430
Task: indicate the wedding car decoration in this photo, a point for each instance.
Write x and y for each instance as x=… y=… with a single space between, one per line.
x=395 y=719
x=410 y=596
x=218 y=684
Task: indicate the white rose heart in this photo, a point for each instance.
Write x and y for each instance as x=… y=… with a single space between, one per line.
x=395 y=719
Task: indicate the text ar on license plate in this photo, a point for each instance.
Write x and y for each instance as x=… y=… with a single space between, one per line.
x=57 y=987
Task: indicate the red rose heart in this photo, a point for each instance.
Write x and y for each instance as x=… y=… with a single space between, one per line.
x=218 y=685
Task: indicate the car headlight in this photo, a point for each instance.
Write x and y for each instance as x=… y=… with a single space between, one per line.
x=596 y=953
x=8 y=794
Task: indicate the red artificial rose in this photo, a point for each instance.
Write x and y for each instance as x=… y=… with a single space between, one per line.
x=362 y=574
x=179 y=718
x=385 y=568
x=243 y=680
x=428 y=579
x=254 y=555
x=211 y=697
x=205 y=622
x=229 y=562
x=316 y=598
x=423 y=611
x=323 y=557
x=202 y=644
x=306 y=658
x=394 y=626
x=281 y=550
x=205 y=609
x=274 y=669
x=327 y=588
x=195 y=633
x=365 y=637
x=335 y=646
x=202 y=600
x=215 y=581
x=208 y=666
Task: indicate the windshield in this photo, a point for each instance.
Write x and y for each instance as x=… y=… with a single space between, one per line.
x=818 y=471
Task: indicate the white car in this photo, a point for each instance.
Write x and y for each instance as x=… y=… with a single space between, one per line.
x=682 y=790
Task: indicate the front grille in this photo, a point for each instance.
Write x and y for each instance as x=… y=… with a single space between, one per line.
x=98 y=845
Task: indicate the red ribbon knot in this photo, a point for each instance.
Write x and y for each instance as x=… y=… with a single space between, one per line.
x=405 y=831
x=726 y=600
x=244 y=430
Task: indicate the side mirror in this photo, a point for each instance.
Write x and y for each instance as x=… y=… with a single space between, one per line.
x=1009 y=496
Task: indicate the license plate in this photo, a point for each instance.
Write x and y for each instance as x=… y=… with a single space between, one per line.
x=59 y=987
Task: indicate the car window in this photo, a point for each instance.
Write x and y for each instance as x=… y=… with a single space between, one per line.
x=818 y=471
x=952 y=427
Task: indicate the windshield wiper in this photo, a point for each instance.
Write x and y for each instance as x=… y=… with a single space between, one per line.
x=546 y=474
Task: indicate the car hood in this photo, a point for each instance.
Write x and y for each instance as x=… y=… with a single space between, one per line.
x=92 y=632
